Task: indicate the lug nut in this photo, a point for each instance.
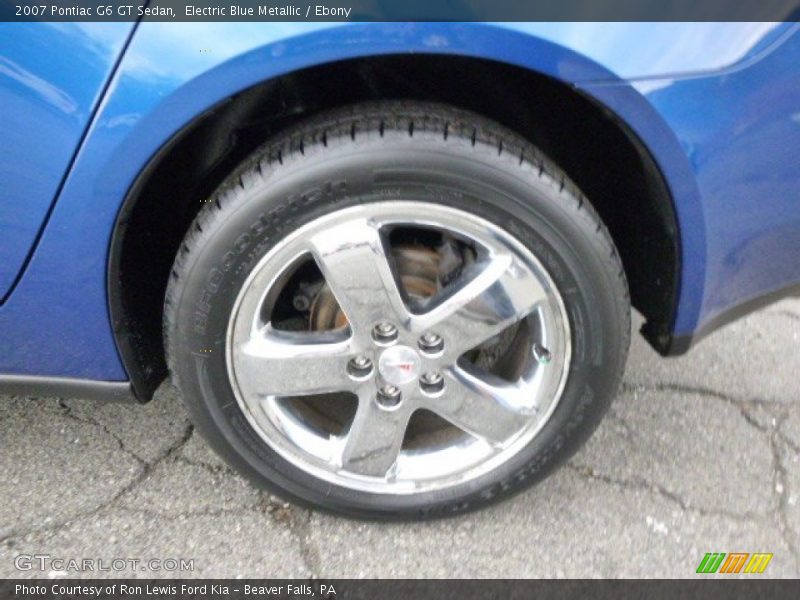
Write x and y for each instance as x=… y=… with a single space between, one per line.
x=542 y=354
x=430 y=343
x=301 y=302
x=383 y=333
x=360 y=366
x=389 y=396
x=431 y=382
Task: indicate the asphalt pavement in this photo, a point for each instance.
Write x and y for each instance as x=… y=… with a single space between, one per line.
x=698 y=454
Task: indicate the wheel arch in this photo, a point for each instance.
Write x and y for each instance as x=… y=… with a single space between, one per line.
x=595 y=148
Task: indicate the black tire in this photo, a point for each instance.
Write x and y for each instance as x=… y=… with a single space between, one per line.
x=328 y=163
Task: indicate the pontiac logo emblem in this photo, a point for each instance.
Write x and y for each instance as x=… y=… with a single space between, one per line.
x=407 y=366
x=399 y=365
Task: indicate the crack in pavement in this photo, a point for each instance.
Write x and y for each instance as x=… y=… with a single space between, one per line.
x=280 y=513
x=740 y=404
x=779 y=486
x=642 y=484
x=146 y=469
x=301 y=529
x=682 y=388
x=774 y=436
x=67 y=412
x=208 y=467
x=285 y=513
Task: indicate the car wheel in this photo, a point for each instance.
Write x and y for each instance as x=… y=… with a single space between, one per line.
x=397 y=310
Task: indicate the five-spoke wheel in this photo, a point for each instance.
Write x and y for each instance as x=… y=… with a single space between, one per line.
x=398 y=353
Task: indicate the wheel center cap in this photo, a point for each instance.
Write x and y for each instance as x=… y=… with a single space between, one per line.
x=399 y=365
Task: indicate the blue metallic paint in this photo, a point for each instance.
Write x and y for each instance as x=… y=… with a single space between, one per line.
x=47 y=105
x=739 y=203
x=741 y=133
x=722 y=127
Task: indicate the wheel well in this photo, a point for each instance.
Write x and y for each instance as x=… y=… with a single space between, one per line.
x=594 y=148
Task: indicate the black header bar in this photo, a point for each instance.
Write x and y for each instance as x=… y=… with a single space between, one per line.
x=399 y=10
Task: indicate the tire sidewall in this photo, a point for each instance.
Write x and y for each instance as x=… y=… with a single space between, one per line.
x=515 y=196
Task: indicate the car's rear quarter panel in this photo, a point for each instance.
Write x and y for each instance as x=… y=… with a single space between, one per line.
x=721 y=126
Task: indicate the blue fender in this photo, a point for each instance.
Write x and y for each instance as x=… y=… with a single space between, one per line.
x=171 y=73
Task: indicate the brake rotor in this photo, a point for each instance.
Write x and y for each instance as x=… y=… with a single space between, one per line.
x=419 y=269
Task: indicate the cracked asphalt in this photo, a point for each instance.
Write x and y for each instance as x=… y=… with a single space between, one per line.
x=698 y=454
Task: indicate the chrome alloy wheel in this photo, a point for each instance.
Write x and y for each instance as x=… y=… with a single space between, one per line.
x=397 y=355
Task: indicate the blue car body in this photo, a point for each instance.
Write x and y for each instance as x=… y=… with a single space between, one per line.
x=87 y=106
